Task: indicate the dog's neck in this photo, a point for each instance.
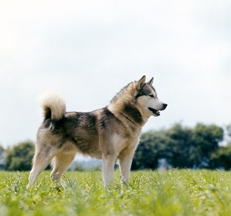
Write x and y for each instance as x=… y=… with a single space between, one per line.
x=132 y=113
x=127 y=118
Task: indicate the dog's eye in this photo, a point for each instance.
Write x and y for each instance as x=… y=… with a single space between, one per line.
x=151 y=96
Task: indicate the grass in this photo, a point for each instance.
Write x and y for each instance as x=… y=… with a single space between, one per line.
x=173 y=192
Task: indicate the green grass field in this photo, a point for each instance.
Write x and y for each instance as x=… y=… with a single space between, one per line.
x=174 y=192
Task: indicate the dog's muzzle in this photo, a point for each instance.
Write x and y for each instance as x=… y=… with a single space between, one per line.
x=157 y=112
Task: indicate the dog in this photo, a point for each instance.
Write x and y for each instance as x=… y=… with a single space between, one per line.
x=110 y=133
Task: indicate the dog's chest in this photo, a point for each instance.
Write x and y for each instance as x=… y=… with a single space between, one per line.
x=120 y=143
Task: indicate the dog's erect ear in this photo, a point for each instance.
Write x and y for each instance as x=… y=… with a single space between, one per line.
x=141 y=82
x=151 y=81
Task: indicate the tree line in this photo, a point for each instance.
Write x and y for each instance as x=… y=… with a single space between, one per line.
x=181 y=147
x=184 y=147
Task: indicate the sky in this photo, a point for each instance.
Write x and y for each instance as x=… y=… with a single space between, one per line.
x=88 y=50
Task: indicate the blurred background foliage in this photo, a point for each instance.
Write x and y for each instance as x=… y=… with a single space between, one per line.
x=199 y=147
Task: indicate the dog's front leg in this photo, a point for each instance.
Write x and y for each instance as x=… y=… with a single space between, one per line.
x=125 y=166
x=125 y=162
x=108 y=168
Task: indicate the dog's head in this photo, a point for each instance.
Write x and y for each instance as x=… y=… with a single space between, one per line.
x=147 y=98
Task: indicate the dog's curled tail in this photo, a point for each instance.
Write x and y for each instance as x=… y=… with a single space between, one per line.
x=53 y=105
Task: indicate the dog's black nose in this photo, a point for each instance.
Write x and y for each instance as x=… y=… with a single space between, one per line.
x=165 y=105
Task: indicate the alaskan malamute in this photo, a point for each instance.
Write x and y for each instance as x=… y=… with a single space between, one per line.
x=109 y=133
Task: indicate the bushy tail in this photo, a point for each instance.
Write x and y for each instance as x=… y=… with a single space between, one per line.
x=53 y=105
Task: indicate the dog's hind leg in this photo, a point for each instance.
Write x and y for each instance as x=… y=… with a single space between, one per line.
x=41 y=159
x=60 y=163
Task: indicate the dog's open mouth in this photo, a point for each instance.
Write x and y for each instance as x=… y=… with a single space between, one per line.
x=155 y=112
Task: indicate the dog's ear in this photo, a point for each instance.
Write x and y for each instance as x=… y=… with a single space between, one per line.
x=151 y=81
x=141 y=82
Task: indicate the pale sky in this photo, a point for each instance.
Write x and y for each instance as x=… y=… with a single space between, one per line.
x=88 y=50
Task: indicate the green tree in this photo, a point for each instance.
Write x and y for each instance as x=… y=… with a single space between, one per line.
x=180 y=147
x=173 y=144
x=19 y=157
x=152 y=147
x=205 y=140
x=229 y=129
x=222 y=157
x=2 y=158
x=1 y=149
